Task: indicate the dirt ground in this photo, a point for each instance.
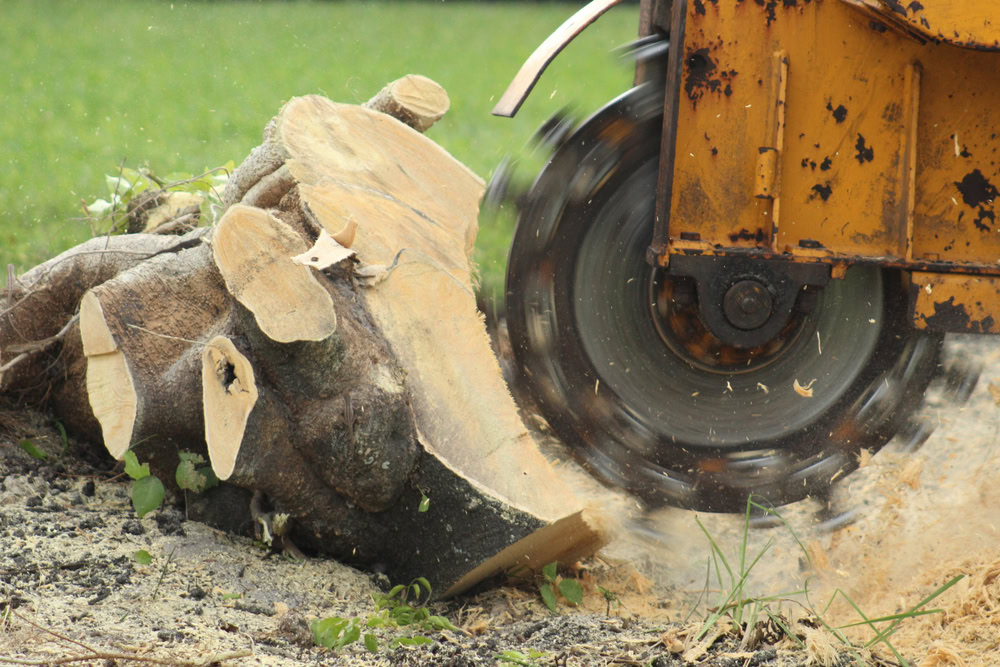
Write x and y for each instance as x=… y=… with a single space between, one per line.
x=72 y=590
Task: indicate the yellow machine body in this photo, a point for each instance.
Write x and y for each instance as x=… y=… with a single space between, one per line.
x=841 y=131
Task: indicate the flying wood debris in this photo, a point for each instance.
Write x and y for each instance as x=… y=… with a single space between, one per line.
x=803 y=391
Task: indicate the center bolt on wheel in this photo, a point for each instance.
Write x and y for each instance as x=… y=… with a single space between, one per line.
x=747 y=304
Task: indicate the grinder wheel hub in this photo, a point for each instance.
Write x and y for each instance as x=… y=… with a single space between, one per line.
x=676 y=318
x=747 y=304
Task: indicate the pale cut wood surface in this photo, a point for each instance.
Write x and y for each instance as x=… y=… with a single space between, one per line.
x=229 y=393
x=414 y=99
x=416 y=209
x=254 y=251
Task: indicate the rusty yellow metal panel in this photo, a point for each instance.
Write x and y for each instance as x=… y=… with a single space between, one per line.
x=885 y=147
x=967 y=23
x=955 y=302
x=958 y=157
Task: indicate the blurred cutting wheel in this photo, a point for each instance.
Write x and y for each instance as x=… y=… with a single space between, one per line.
x=623 y=369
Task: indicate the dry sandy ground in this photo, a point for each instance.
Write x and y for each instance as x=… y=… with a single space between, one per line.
x=68 y=577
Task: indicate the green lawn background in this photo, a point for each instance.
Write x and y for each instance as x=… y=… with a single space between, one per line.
x=87 y=86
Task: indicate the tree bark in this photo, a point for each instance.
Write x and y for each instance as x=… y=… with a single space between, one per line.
x=322 y=346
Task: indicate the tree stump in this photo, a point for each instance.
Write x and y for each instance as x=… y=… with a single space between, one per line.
x=320 y=345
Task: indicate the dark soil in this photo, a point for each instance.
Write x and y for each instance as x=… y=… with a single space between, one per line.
x=68 y=543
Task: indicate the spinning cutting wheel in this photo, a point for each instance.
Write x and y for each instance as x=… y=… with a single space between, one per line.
x=619 y=358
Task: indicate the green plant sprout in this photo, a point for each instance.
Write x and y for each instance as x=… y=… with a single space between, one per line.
x=570 y=589
x=142 y=557
x=33 y=450
x=132 y=189
x=610 y=597
x=147 y=489
x=529 y=659
x=393 y=610
x=192 y=478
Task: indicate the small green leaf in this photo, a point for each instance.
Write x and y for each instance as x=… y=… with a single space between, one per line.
x=193 y=457
x=416 y=640
x=441 y=623
x=232 y=596
x=187 y=478
x=371 y=643
x=571 y=590
x=425 y=503
x=549 y=571
x=177 y=176
x=514 y=658
x=142 y=557
x=421 y=581
x=130 y=175
x=147 y=494
x=117 y=184
x=33 y=450
x=326 y=631
x=99 y=207
x=63 y=436
x=548 y=597
x=194 y=479
x=210 y=478
x=200 y=185
x=132 y=467
x=402 y=615
x=351 y=635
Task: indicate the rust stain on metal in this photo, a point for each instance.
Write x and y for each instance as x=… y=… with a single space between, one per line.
x=757 y=236
x=951 y=316
x=954 y=303
x=823 y=190
x=839 y=114
x=865 y=153
x=769 y=7
x=979 y=194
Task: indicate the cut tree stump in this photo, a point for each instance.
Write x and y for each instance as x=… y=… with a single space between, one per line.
x=414 y=100
x=321 y=346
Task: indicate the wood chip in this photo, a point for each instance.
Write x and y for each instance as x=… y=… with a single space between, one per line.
x=327 y=251
x=910 y=474
x=804 y=391
x=994 y=392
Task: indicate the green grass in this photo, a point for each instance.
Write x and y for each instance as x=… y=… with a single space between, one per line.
x=747 y=611
x=87 y=86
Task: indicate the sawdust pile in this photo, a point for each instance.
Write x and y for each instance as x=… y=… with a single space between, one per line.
x=968 y=630
x=924 y=517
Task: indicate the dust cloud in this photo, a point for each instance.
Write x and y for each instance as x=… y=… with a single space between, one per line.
x=922 y=517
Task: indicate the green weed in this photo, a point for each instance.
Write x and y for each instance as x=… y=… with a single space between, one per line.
x=402 y=607
x=33 y=450
x=148 y=491
x=747 y=611
x=529 y=659
x=569 y=589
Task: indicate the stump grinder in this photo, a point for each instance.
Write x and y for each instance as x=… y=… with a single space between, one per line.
x=737 y=275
